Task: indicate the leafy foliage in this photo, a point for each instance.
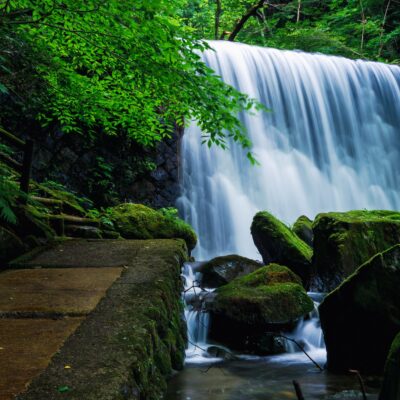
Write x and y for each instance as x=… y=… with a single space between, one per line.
x=353 y=28
x=115 y=66
x=9 y=193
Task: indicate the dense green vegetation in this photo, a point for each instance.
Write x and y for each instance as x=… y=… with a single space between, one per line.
x=132 y=69
x=353 y=28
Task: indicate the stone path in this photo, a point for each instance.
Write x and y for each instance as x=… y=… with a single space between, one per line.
x=39 y=309
x=46 y=305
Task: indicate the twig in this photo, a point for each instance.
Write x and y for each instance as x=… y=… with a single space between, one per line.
x=297 y=388
x=360 y=380
x=302 y=349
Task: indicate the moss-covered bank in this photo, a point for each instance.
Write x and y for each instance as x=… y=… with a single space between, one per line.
x=134 y=339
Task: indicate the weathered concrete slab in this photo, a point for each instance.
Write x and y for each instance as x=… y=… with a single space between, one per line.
x=79 y=253
x=26 y=347
x=38 y=292
x=129 y=344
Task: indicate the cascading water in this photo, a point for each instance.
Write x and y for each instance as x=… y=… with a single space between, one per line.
x=331 y=142
x=307 y=334
x=197 y=318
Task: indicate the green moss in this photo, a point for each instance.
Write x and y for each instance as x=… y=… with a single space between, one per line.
x=278 y=243
x=136 y=221
x=272 y=274
x=303 y=229
x=343 y=241
x=272 y=294
x=267 y=223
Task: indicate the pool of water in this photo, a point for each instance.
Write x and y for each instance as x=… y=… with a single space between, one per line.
x=266 y=378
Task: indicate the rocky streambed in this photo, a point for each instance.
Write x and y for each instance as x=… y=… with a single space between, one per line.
x=237 y=306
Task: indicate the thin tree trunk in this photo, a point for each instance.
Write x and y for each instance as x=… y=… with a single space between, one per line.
x=218 y=13
x=383 y=28
x=298 y=11
x=363 y=22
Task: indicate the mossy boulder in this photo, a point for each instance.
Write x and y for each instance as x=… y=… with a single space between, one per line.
x=303 y=229
x=222 y=270
x=136 y=221
x=361 y=317
x=268 y=300
x=277 y=243
x=391 y=382
x=344 y=241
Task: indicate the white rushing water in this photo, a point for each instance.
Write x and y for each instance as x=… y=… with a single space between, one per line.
x=197 y=318
x=331 y=142
x=307 y=334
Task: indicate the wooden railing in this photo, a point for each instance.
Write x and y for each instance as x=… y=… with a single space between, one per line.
x=24 y=168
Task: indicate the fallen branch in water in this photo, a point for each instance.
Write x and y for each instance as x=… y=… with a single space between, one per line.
x=360 y=380
x=302 y=349
x=297 y=388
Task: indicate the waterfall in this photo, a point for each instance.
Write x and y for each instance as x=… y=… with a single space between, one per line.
x=330 y=143
x=309 y=335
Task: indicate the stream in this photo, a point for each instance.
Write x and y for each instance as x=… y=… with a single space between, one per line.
x=253 y=377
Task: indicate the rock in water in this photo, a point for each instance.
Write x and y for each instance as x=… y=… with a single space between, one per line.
x=303 y=229
x=391 y=383
x=343 y=241
x=221 y=270
x=362 y=316
x=279 y=244
x=268 y=300
x=136 y=221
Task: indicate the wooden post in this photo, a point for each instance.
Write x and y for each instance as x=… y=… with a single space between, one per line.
x=26 y=168
x=297 y=388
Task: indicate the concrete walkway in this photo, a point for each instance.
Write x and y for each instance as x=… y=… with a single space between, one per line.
x=44 y=304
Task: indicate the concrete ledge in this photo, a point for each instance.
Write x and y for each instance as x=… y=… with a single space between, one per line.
x=26 y=347
x=128 y=346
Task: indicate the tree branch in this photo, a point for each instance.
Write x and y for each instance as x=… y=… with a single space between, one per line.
x=249 y=13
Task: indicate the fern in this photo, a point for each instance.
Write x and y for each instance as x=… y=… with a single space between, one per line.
x=9 y=193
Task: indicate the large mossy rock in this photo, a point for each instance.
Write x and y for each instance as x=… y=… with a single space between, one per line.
x=343 y=241
x=279 y=244
x=391 y=383
x=222 y=270
x=361 y=317
x=136 y=221
x=268 y=300
x=303 y=229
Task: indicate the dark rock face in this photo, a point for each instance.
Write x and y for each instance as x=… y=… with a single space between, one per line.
x=109 y=169
x=222 y=270
x=391 y=383
x=270 y=299
x=362 y=316
x=10 y=245
x=343 y=241
x=279 y=244
x=87 y=232
x=303 y=229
